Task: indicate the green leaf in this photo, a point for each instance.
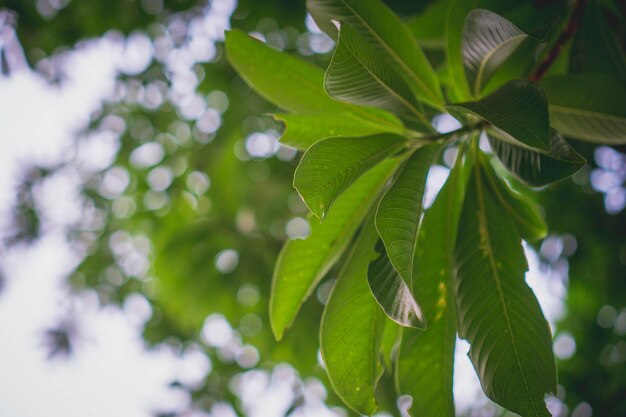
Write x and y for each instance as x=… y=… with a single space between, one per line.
x=358 y=75
x=400 y=210
x=535 y=167
x=488 y=40
x=392 y=293
x=290 y=83
x=426 y=358
x=523 y=211
x=303 y=130
x=588 y=106
x=389 y=36
x=331 y=165
x=519 y=108
x=303 y=263
x=351 y=329
x=498 y=314
x=457 y=12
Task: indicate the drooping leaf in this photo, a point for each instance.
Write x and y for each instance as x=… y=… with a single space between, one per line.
x=426 y=358
x=519 y=108
x=351 y=329
x=523 y=211
x=400 y=210
x=511 y=346
x=331 y=165
x=357 y=74
x=487 y=41
x=303 y=130
x=535 y=167
x=303 y=263
x=588 y=106
x=389 y=36
x=392 y=293
x=291 y=83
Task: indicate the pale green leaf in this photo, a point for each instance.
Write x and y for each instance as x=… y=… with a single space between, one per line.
x=589 y=107
x=303 y=263
x=303 y=130
x=511 y=346
x=331 y=165
x=389 y=36
x=351 y=329
x=400 y=210
x=519 y=108
x=533 y=166
x=392 y=293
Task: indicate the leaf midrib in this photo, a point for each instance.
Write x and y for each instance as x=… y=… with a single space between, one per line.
x=483 y=63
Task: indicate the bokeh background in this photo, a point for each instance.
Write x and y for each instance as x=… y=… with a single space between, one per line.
x=144 y=197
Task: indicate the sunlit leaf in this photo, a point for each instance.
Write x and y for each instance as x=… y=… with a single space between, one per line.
x=331 y=165
x=351 y=329
x=511 y=346
x=588 y=106
x=400 y=210
x=519 y=108
x=388 y=35
x=533 y=166
x=303 y=263
x=392 y=293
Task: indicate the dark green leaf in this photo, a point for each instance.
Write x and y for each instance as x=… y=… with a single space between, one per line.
x=533 y=166
x=351 y=329
x=588 y=106
x=303 y=130
x=388 y=35
x=303 y=263
x=400 y=210
x=331 y=165
x=511 y=346
x=392 y=293
x=519 y=108
x=426 y=358
x=358 y=75
x=523 y=211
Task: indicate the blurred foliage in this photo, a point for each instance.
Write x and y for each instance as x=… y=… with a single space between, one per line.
x=197 y=230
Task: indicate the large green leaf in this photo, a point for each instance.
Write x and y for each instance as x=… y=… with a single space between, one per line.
x=588 y=106
x=400 y=210
x=459 y=87
x=523 y=211
x=290 y=83
x=498 y=313
x=391 y=292
x=331 y=165
x=488 y=40
x=357 y=74
x=389 y=36
x=303 y=263
x=303 y=130
x=426 y=358
x=351 y=329
x=519 y=108
x=535 y=167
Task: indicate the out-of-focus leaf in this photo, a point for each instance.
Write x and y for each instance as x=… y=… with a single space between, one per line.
x=357 y=74
x=459 y=87
x=392 y=293
x=511 y=346
x=331 y=165
x=303 y=130
x=588 y=106
x=536 y=167
x=487 y=41
x=351 y=329
x=303 y=263
x=524 y=212
x=389 y=36
x=426 y=27
x=400 y=210
x=426 y=358
x=519 y=108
